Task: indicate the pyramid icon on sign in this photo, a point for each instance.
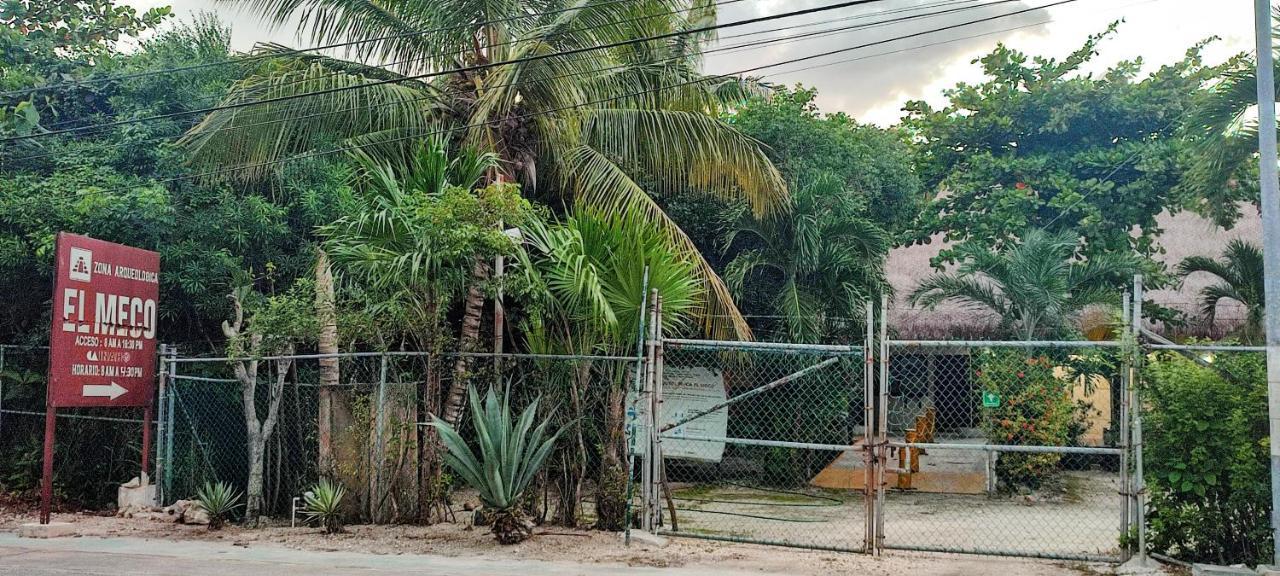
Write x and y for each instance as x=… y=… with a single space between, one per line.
x=81 y=267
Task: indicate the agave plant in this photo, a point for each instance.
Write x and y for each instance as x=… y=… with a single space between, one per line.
x=322 y=504
x=218 y=500
x=510 y=454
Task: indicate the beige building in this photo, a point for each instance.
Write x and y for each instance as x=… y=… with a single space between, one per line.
x=1185 y=234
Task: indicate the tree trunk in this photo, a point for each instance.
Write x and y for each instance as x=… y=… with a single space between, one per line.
x=253 y=493
x=467 y=342
x=327 y=316
x=611 y=502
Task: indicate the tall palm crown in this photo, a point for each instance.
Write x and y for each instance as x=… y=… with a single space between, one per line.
x=816 y=267
x=605 y=127
x=1240 y=278
x=1036 y=286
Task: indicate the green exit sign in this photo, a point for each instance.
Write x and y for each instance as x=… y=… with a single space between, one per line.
x=990 y=400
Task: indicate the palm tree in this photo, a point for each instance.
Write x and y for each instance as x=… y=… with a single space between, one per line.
x=589 y=271
x=418 y=242
x=817 y=265
x=606 y=128
x=1240 y=278
x=1036 y=286
x=1223 y=131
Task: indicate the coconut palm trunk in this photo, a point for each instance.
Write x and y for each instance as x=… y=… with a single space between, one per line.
x=468 y=341
x=327 y=343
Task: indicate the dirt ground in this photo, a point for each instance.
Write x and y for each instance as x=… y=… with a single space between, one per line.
x=560 y=545
x=1084 y=520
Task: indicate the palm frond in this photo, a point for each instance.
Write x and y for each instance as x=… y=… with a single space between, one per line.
x=600 y=183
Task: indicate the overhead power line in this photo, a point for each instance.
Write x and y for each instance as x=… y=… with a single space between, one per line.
x=194 y=67
x=471 y=68
x=388 y=66
x=593 y=102
x=719 y=49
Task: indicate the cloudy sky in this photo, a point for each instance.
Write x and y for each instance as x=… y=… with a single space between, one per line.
x=872 y=83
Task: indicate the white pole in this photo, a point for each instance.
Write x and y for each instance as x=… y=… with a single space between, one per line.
x=1270 y=242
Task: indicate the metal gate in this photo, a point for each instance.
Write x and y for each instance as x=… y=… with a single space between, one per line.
x=749 y=432
x=1002 y=448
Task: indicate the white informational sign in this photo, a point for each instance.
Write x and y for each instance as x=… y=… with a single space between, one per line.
x=685 y=392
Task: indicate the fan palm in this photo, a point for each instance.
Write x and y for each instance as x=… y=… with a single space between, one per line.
x=1036 y=287
x=590 y=273
x=580 y=128
x=1240 y=278
x=511 y=452
x=817 y=265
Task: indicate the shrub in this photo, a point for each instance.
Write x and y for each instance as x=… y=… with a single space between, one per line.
x=1206 y=458
x=1035 y=409
x=322 y=504
x=219 y=500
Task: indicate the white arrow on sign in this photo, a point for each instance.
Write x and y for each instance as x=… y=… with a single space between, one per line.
x=111 y=390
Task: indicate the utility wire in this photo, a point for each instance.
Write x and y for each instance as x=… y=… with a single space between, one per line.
x=471 y=68
x=590 y=103
x=725 y=49
x=391 y=66
x=144 y=74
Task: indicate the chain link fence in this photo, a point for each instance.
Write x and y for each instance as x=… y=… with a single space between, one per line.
x=378 y=444
x=95 y=449
x=987 y=447
x=1008 y=448
x=754 y=436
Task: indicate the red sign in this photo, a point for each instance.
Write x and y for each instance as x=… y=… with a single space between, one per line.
x=102 y=349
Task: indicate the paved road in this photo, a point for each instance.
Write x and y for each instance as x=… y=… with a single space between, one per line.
x=135 y=556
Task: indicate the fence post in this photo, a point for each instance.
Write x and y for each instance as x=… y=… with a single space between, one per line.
x=171 y=401
x=633 y=403
x=2 y=348
x=868 y=429
x=380 y=419
x=160 y=464
x=646 y=474
x=1126 y=367
x=1140 y=486
x=882 y=422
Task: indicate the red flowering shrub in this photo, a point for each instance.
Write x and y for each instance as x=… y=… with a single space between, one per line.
x=1035 y=409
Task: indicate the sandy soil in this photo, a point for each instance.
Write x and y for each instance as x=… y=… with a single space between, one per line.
x=561 y=545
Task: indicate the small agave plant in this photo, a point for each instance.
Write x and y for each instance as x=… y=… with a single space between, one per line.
x=511 y=451
x=323 y=505
x=219 y=500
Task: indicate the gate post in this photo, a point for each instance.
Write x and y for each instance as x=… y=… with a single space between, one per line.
x=868 y=430
x=882 y=422
x=1140 y=486
x=651 y=419
x=1126 y=368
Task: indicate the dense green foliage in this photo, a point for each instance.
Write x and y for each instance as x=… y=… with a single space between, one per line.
x=814 y=268
x=1206 y=458
x=1039 y=143
x=871 y=164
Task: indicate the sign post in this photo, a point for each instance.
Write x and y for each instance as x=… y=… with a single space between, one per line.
x=102 y=344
